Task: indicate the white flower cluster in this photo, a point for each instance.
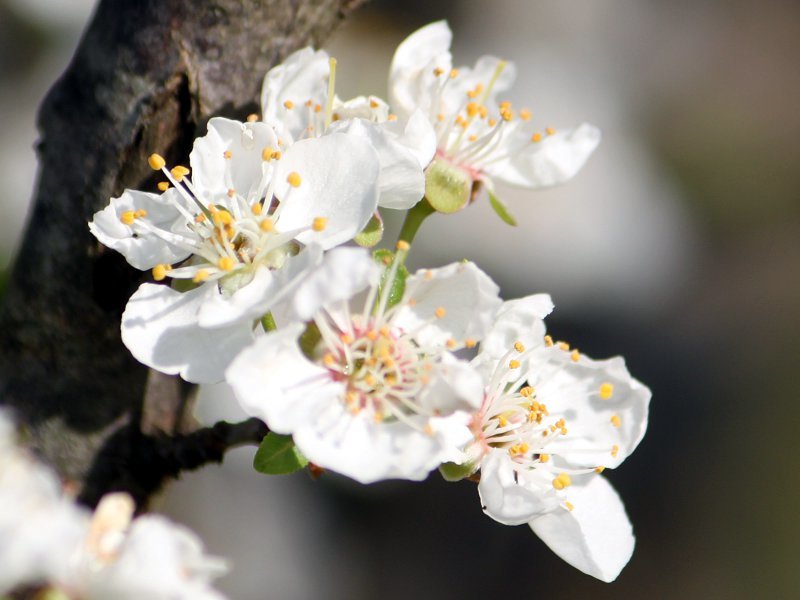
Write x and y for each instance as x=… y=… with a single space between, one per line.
x=365 y=365
x=49 y=544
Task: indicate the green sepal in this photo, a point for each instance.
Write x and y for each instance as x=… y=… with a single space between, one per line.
x=372 y=233
x=455 y=472
x=501 y=209
x=309 y=339
x=277 y=455
x=447 y=187
x=385 y=258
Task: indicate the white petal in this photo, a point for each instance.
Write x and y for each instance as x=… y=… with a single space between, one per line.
x=159 y=327
x=301 y=77
x=412 y=83
x=343 y=273
x=245 y=171
x=249 y=302
x=370 y=108
x=519 y=320
x=274 y=381
x=514 y=497
x=338 y=181
x=417 y=135
x=357 y=446
x=142 y=248
x=467 y=295
x=454 y=385
x=572 y=390
x=596 y=537
x=556 y=159
x=401 y=180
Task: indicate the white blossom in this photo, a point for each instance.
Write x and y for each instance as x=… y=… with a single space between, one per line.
x=479 y=140
x=379 y=394
x=551 y=421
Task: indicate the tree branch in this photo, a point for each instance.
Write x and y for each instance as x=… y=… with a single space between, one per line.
x=145 y=78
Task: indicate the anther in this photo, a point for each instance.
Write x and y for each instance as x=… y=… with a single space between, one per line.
x=128 y=217
x=179 y=172
x=616 y=421
x=437 y=71
x=288 y=105
x=570 y=506
x=294 y=179
x=160 y=272
x=614 y=450
x=156 y=162
x=403 y=246
x=451 y=344
x=391 y=118
x=252 y=118
x=453 y=73
x=519 y=347
x=563 y=345
x=163 y=186
x=373 y=103
x=525 y=114
x=575 y=356
x=548 y=341
x=470 y=343
x=257 y=208
x=227 y=154
x=267 y=153
x=319 y=224
x=536 y=137
x=606 y=391
x=440 y=312
x=200 y=276
x=266 y=225
x=562 y=481
x=231 y=192
x=513 y=364
x=550 y=131
x=226 y=263
x=599 y=469
x=543 y=458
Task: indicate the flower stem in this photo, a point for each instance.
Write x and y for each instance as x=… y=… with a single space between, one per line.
x=414 y=218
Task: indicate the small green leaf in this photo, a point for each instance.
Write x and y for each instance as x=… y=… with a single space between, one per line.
x=455 y=472
x=277 y=455
x=398 y=285
x=372 y=233
x=447 y=187
x=501 y=209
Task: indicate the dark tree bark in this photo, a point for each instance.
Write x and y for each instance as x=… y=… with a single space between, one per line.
x=146 y=77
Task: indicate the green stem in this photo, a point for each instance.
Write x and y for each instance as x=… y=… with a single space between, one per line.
x=414 y=218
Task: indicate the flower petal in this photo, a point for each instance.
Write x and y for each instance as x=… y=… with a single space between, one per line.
x=595 y=537
x=159 y=327
x=454 y=385
x=337 y=178
x=412 y=82
x=556 y=159
x=511 y=496
x=519 y=320
x=401 y=180
x=272 y=380
x=141 y=247
x=214 y=172
x=464 y=297
x=301 y=77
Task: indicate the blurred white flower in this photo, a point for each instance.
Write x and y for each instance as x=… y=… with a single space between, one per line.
x=378 y=394
x=48 y=542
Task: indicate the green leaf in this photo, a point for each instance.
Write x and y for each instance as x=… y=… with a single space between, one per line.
x=277 y=455
x=398 y=285
x=501 y=209
x=447 y=187
x=372 y=233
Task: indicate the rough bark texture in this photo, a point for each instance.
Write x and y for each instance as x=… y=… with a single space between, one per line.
x=145 y=78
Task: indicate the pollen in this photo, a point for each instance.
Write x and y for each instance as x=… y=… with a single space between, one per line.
x=470 y=343
x=227 y=154
x=614 y=450
x=288 y=105
x=163 y=186
x=519 y=347
x=492 y=122
x=513 y=364
x=616 y=421
x=200 y=276
x=156 y=162
x=223 y=217
x=562 y=481
x=226 y=263
x=563 y=345
x=294 y=179
x=437 y=71
x=373 y=103
x=550 y=131
x=319 y=224
x=328 y=360
x=575 y=356
x=606 y=391
x=536 y=137
x=473 y=93
x=451 y=344
x=453 y=73
x=346 y=338
x=160 y=272
x=257 y=208
x=179 y=172
x=440 y=312
x=252 y=118
x=543 y=458
x=403 y=246
x=570 y=506
x=518 y=449
x=548 y=341
x=391 y=118
x=128 y=217
x=599 y=469
x=526 y=392
x=525 y=114
x=266 y=225
x=472 y=109
x=267 y=154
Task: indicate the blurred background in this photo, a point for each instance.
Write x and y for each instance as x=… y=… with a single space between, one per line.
x=678 y=246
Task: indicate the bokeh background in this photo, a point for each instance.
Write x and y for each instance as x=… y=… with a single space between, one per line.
x=678 y=247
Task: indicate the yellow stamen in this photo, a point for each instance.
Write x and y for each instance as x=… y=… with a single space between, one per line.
x=570 y=506
x=616 y=421
x=575 y=356
x=562 y=481
x=550 y=131
x=163 y=186
x=599 y=469
x=519 y=347
x=513 y=364
x=453 y=73
x=160 y=272
x=470 y=343
x=606 y=391
x=563 y=345
x=440 y=312
x=226 y=263
x=614 y=450
x=403 y=246
x=288 y=105
x=319 y=224
x=267 y=153
x=257 y=208
x=128 y=217
x=200 y=276
x=252 y=118
x=536 y=137
x=525 y=114
x=266 y=225
x=548 y=341
x=227 y=154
